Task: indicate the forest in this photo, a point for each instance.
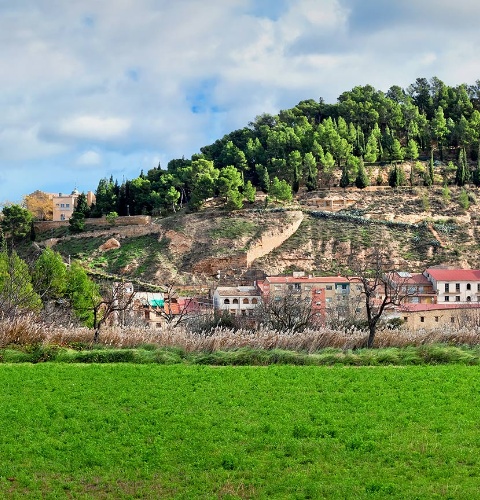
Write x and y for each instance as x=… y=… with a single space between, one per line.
x=317 y=145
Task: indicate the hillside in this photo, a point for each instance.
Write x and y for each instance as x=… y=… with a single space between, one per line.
x=420 y=228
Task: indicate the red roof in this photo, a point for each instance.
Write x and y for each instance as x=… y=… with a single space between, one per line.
x=436 y=307
x=305 y=279
x=454 y=274
x=412 y=279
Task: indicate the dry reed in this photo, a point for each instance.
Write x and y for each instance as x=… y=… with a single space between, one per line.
x=27 y=331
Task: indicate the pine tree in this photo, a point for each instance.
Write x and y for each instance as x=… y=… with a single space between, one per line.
x=344 y=180
x=362 y=180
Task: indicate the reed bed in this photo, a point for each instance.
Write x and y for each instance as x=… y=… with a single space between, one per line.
x=27 y=331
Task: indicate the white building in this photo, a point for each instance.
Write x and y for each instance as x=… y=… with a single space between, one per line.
x=455 y=285
x=237 y=300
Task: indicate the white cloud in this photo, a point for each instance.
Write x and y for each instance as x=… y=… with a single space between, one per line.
x=138 y=79
x=89 y=158
x=94 y=128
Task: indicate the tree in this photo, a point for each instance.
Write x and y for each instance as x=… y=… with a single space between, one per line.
x=249 y=192
x=286 y=313
x=16 y=222
x=77 y=222
x=311 y=171
x=204 y=176
x=111 y=218
x=380 y=285
x=17 y=295
x=362 y=180
x=171 y=197
x=81 y=292
x=263 y=178
x=174 y=311
x=439 y=128
x=81 y=205
x=462 y=175
x=49 y=275
x=40 y=205
x=281 y=190
x=411 y=151
x=345 y=179
x=396 y=177
x=112 y=299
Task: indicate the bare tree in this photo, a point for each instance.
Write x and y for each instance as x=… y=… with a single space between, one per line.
x=287 y=313
x=114 y=298
x=174 y=312
x=381 y=287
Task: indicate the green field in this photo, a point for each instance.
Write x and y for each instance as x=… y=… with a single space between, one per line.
x=153 y=431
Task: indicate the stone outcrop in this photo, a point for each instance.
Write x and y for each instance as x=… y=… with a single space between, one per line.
x=110 y=244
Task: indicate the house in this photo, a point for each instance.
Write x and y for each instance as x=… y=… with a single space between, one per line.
x=64 y=204
x=429 y=316
x=455 y=285
x=414 y=288
x=237 y=300
x=147 y=307
x=329 y=295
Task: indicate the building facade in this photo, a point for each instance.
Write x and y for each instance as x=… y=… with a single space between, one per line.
x=455 y=285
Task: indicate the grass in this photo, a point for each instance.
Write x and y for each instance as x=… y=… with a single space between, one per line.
x=232 y=228
x=149 y=431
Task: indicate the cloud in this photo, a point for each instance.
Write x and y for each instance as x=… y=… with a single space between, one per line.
x=93 y=128
x=161 y=79
x=89 y=158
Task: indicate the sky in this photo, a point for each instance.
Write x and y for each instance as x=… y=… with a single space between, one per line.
x=97 y=88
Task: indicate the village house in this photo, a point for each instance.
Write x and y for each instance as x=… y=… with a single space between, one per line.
x=414 y=288
x=64 y=204
x=329 y=295
x=455 y=285
x=237 y=300
x=430 y=316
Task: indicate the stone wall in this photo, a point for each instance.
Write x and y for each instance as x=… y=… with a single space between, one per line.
x=133 y=220
x=214 y=264
x=274 y=238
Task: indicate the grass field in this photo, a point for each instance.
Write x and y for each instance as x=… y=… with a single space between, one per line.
x=153 y=431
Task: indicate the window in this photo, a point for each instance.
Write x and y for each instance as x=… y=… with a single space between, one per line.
x=308 y=288
x=452 y=320
x=246 y=301
x=447 y=299
x=226 y=301
x=457 y=287
x=329 y=287
x=457 y=298
x=478 y=287
x=405 y=318
x=436 y=319
x=328 y=299
x=318 y=303
x=447 y=287
x=67 y=205
x=422 y=319
x=235 y=301
x=62 y=205
x=469 y=287
x=254 y=301
x=469 y=298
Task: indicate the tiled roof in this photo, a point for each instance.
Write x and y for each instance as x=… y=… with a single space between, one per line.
x=436 y=307
x=304 y=279
x=454 y=274
x=412 y=279
x=233 y=291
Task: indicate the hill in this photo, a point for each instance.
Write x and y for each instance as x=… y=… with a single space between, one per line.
x=314 y=233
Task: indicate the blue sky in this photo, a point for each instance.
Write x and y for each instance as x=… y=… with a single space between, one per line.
x=100 y=87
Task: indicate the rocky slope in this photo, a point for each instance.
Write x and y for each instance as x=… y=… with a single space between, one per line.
x=316 y=234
